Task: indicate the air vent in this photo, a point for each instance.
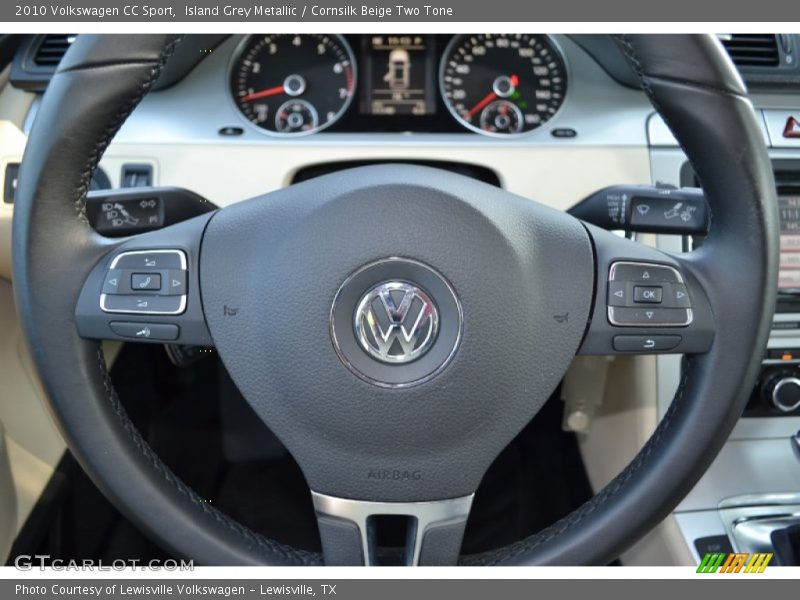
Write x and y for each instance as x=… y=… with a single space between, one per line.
x=52 y=49
x=752 y=50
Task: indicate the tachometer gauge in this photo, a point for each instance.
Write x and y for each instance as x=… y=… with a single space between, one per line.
x=293 y=84
x=502 y=84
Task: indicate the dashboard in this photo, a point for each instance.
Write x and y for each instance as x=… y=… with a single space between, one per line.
x=492 y=84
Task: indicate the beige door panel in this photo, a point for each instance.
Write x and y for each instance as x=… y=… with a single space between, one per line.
x=624 y=420
x=8 y=499
x=34 y=445
x=12 y=146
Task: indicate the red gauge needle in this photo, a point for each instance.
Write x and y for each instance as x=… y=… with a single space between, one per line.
x=492 y=96
x=486 y=99
x=278 y=89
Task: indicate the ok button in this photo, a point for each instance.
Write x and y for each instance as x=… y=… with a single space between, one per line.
x=651 y=294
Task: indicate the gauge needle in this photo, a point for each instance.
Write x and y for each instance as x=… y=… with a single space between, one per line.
x=486 y=99
x=278 y=89
x=514 y=80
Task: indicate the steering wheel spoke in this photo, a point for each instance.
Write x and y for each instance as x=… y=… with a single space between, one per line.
x=147 y=290
x=352 y=531
x=646 y=302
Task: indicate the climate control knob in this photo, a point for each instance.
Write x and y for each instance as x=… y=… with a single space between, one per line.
x=785 y=394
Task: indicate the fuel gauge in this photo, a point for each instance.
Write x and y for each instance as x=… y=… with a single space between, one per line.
x=501 y=116
x=296 y=116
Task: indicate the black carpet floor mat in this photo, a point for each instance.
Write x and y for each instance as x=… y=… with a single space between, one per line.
x=196 y=420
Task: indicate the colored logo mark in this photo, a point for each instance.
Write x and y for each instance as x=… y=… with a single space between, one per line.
x=734 y=562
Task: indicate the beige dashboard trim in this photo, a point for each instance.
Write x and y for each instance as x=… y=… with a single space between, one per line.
x=558 y=177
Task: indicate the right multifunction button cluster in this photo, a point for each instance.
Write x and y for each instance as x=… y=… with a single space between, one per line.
x=647 y=295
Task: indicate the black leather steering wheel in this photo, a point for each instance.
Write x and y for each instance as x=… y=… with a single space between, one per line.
x=289 y=288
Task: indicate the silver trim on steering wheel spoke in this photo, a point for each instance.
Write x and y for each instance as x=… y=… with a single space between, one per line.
x=425 y=515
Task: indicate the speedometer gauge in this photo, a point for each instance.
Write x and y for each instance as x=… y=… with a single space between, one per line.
x=293 y=84
x=502 y=84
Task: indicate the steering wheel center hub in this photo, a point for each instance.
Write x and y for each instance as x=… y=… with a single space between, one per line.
x=386 y=325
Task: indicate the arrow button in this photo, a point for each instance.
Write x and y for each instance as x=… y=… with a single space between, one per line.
x=680 y=296
x=177 y=283
x=112 y=281
x=645 y=344
x=651 y=273
x=636 y=317
x=618 y=293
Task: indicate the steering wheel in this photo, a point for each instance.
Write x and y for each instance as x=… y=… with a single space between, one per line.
x=395 y=326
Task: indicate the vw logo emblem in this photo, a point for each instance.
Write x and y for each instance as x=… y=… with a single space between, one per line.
x=396 y=322
x=403 y=330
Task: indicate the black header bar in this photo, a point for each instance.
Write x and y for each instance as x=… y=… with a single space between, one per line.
x=409 y=11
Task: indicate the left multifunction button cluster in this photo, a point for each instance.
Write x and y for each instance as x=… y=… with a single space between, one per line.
x=145 y=282
x=147 y=289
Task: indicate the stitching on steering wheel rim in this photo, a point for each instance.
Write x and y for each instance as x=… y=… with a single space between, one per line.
x=511 y=551
x=116 y=122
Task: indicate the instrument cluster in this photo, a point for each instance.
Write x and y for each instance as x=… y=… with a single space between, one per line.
x=500 y=85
